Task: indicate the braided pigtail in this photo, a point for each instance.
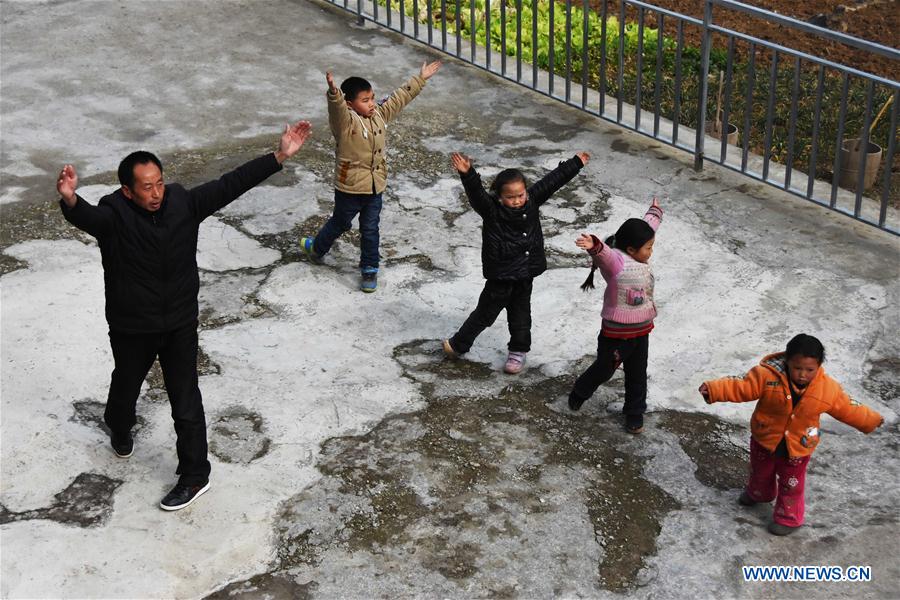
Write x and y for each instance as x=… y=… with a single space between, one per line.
x=589 y=282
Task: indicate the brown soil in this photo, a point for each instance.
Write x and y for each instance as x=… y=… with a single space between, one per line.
x=874 y=20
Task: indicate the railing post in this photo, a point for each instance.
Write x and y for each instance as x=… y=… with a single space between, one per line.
x=704 y=81
x=360 y=20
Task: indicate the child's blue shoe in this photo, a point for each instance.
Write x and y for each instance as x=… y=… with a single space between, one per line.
x=369 y=281
x=306 y=244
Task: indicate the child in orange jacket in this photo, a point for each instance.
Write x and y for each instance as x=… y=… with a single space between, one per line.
x=793 y=391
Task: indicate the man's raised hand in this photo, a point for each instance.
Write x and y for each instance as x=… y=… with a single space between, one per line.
x=292 y=139
x=460 y=162
x=66 y=185
x=429 y=69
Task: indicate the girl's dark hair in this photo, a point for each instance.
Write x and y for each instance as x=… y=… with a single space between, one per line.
x=507 y=176
x=353 y=86
x=633 y=233
x=805 y=345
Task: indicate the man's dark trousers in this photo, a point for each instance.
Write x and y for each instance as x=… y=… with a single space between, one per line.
x=515 y=296
x=177 y=350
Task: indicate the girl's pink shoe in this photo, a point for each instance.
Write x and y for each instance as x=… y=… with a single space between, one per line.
x=514 y=362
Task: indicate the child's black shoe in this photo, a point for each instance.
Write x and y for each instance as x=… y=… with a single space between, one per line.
x=745 y=500
x=634 y=424
x=779 y=529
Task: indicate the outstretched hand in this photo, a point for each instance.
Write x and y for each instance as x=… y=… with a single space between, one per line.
x=66 y=185
x=429 y=69
x=584 y=156
x=704 y=389
x=292 y=139
x=461 y=162
x=330 y=80
x=655 y=203
x=585 y=241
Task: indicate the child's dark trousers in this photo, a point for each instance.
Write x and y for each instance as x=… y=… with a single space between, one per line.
x=515 y=297
x=346 y=207
x=611 y=352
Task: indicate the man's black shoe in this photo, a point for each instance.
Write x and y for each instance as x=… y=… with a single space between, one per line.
x=122 y=445
x=575 y=402
x=182 y=495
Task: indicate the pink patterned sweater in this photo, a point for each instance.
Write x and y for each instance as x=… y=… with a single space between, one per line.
x=628 y=306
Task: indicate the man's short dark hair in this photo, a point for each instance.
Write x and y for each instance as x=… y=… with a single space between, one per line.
x=353 y=86
x=126 y=167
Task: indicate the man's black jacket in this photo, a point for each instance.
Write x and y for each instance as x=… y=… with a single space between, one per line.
x=150 y=258
x=512 y=242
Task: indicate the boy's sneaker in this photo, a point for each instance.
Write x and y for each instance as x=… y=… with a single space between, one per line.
x=575 y=402
x=779 y=529
x=122 y=445
x=306 y=244
x=449 y=351
x=514 y=362
x=182 y=495
x=369 y=282
x=745 y=500
x=634 y=424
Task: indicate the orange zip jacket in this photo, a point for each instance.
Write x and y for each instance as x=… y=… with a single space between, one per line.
x=775 y=417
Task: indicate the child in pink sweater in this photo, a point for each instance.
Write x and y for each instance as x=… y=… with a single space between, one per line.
x=628 y=313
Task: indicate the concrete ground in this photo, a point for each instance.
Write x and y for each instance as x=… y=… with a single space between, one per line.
x=349 y=458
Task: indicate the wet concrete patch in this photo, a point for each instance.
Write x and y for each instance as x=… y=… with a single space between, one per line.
x=270 y=587
x=624 y=147
x=86 y=502
x=236 y=436
x=713 y=445
x=882 y=380
x=456 y=491
x=90 y=413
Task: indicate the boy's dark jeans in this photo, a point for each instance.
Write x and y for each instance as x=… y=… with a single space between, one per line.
x=346 y=207
x=177 y=350
x=611 y=352
x=515 y=297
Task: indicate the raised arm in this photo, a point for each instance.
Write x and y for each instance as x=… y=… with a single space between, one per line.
x=404 y=94
x=339 y=118
x=91 y=219
x=854 y=414
x=475 y=192
x=603 y=257
x=654 y=214
x=541 y=191
x=214 y=195
x=735 y=389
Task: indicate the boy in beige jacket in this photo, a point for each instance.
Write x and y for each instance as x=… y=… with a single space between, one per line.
x=359 y=126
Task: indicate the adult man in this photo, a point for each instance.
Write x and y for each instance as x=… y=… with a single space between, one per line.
x=147 y=233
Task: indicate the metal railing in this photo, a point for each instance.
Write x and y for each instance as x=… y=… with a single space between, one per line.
x=794 y=108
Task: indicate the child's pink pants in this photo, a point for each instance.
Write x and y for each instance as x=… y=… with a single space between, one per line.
x=778 y=478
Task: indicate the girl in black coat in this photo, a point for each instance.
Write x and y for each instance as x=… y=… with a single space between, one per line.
x=512 y=251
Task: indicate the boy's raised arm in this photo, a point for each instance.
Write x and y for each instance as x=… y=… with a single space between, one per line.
x=409 y=90
x=475 y=192
x=338 y=113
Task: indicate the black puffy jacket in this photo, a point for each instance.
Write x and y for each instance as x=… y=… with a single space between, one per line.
x=512 y=242
x=150 y=258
